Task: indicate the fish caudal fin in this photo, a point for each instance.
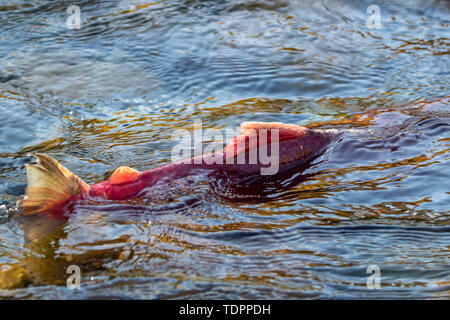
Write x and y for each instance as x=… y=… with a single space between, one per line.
x=49 y=186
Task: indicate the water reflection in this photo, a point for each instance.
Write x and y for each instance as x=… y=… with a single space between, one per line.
x=111 y=94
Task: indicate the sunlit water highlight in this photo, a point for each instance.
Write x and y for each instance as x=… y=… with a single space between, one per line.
x=113 y=92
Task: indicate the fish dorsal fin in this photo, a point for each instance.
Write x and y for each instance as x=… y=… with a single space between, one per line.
x=252 y=130
x=285 y=131
x=124 y=174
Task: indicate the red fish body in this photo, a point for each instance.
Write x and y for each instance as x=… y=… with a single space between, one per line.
x=51 y=187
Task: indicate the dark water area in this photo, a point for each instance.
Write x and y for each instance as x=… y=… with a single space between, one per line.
x=113 y=92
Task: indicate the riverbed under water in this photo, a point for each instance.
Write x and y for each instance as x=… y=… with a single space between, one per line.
x=113 y=92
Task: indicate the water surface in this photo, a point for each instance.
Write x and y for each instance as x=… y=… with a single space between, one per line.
x=113 y=92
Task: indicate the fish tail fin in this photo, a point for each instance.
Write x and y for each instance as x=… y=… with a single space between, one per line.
x=49 y=186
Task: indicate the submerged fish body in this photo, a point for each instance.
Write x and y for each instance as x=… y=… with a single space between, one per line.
x=260 y=146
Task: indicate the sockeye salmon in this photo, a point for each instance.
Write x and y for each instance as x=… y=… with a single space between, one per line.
x=51 y=188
